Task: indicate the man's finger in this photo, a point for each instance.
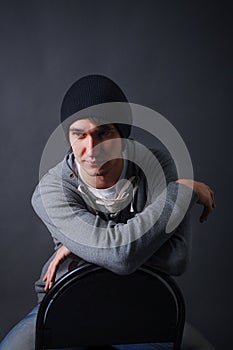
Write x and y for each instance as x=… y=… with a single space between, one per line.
x=45 y=276
x=48 y=284
x=206 y=211
x=50 y=277
x=213 y=199
x=212 y=196
x=47 y=281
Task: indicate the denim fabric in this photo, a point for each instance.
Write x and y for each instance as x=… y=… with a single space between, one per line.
x=22 y=337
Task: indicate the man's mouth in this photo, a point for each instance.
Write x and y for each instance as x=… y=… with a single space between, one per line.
x=95 y=162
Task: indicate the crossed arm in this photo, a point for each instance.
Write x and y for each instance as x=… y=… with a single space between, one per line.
x=122 y=259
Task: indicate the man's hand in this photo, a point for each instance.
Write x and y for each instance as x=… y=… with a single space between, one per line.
x=206 y=196
x=49 y=277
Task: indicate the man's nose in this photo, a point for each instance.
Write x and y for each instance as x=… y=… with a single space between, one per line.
x=92 y=145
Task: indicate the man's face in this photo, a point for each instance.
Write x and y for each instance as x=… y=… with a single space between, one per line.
x=97 y=148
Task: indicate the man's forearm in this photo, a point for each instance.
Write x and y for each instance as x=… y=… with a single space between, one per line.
x=67 y=226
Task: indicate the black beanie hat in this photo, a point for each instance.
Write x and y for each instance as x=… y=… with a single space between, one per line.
x=98 y=91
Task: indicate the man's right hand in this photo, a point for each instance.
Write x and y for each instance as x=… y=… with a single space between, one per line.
x=49 y=277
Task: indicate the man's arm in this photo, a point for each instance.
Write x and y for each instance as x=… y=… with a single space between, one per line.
x=172 y=257
x=70 y=224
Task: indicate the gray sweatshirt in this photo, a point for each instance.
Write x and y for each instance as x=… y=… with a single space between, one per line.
x=148 y=223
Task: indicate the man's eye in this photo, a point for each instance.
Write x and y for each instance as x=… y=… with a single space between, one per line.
x=79 y=135
x=104 y=133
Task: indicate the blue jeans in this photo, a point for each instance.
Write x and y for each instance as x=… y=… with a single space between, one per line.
x=22 y=337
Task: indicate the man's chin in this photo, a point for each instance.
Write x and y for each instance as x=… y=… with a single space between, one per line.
x=96 y=172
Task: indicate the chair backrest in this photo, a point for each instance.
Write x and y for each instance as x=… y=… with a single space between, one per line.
x=93 y=306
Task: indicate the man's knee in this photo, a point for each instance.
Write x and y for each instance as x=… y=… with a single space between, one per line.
x=22 y=335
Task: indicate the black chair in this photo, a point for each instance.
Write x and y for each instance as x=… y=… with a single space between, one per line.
x=94 y=307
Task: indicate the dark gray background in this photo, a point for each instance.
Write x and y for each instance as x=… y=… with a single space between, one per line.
x=173 y=56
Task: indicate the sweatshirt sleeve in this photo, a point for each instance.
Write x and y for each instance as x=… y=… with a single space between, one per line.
x=174 y=255
x=119 y=247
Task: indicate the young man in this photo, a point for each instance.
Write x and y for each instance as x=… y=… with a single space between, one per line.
x=110 y=202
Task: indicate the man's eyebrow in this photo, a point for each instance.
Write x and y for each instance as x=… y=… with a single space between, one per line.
x=76 y=129
x=106 y=126
x=103 y=127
